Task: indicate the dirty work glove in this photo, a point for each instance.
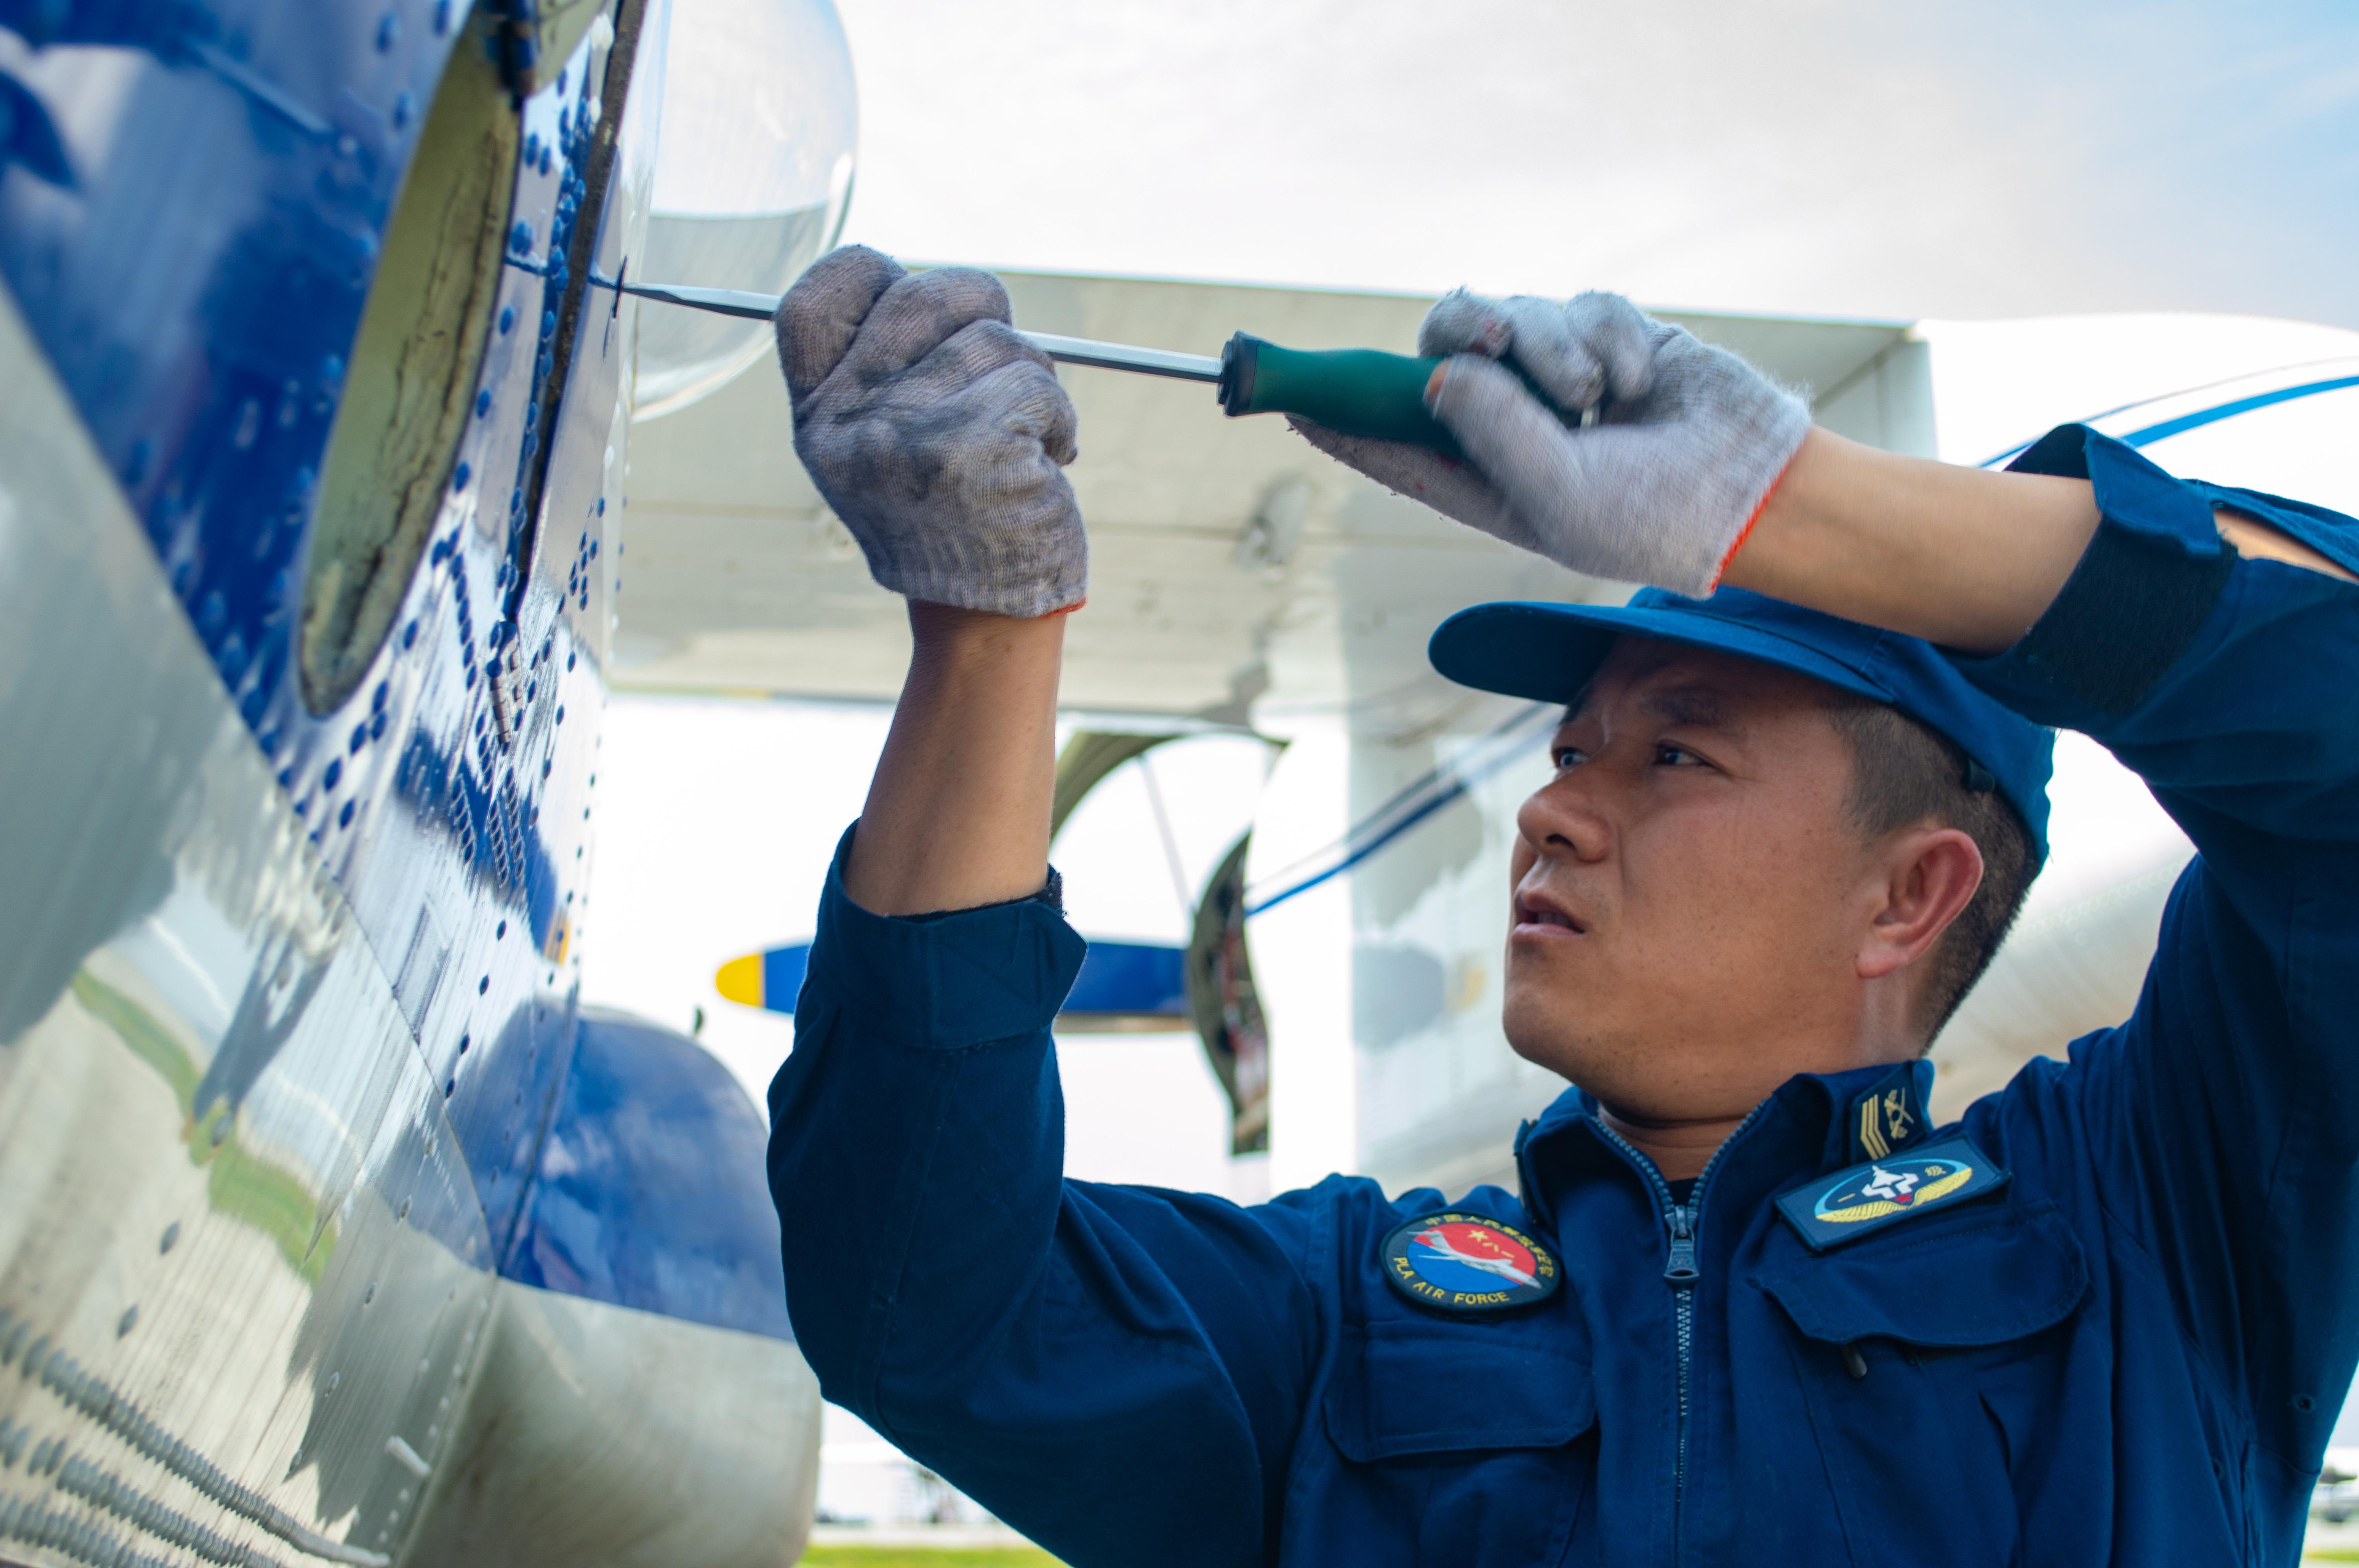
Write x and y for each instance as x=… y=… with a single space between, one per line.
x=1690 y=441
x=935 y=432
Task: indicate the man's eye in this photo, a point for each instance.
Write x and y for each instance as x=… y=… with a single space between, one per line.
x=1569 y=757
x=1678 y=757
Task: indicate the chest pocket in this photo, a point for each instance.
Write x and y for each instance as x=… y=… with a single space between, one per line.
x=1461 y=1444
x=1932 y=1358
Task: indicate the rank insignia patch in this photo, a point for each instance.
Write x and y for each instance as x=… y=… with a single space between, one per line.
x=1468 y=1263
x=1891 y=1116
x=1866 y=1198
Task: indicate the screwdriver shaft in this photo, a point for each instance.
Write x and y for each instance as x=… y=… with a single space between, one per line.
x=1070 y=350
x=1123 y=356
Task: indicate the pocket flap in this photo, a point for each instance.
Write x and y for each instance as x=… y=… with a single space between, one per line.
x=1414 y=1388
x=1996 y=1276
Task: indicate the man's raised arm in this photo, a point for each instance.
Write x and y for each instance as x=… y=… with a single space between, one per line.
x=1698 y=471
x=1147 y=1350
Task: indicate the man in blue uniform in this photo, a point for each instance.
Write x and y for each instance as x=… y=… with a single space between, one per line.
x=1747 y=1305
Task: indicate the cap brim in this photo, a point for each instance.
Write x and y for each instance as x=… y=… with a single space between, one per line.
x=1547 y=652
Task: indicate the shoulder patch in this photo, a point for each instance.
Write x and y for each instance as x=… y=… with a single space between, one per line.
x=1457 y=1262
x=1864 y=1198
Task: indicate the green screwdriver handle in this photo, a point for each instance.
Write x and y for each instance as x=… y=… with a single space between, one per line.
x=1361 y=392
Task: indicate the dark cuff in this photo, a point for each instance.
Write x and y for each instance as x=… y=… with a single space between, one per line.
x=2144 y=587
x=1052 y=893
x=953 y=978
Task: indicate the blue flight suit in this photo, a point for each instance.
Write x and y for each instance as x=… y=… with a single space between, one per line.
x=2131 y=1350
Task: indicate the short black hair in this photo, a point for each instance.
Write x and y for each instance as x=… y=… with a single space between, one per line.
x=1905 y=772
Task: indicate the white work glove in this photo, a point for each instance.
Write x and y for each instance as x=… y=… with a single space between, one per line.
x=935 y=432
x=1660 y=490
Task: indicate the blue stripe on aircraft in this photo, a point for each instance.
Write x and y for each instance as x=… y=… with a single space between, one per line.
x=2203 y=416
x=1410 y=805
x=1140 y=979
x=782 y=975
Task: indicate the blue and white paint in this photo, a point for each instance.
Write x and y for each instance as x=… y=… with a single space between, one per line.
x=330 y=1228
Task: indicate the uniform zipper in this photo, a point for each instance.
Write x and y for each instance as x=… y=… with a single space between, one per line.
x=1681 y=1270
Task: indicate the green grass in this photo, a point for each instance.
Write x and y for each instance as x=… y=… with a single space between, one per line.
x=145 y=1039
x=2332 y=1555
x=926 y=1557
x=273 y=1200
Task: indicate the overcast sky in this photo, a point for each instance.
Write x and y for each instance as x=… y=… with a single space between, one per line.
x=1838 y=156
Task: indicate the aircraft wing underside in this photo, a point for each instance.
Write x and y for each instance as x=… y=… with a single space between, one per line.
x=1232 y=566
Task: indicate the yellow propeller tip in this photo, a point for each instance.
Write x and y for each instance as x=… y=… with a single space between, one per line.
x=740 y=980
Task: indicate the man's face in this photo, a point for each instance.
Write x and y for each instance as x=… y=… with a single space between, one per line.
x=1690 y=895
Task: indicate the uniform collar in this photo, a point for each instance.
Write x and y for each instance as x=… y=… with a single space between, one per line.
x=1815 y=1122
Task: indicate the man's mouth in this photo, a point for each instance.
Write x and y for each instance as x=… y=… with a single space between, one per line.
x=1535 y=917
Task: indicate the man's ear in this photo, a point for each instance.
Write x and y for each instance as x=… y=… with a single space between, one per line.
x=1930 y=875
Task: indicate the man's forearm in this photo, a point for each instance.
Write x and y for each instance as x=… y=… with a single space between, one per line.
x=958 y=814
x=1963 y=557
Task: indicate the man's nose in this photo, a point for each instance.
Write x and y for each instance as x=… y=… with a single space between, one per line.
x=1563 y=817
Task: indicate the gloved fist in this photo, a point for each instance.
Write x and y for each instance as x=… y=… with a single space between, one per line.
x=935 y=432
x=1689 y=443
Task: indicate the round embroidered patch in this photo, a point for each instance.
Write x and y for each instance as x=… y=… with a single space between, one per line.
x=1469 y=1264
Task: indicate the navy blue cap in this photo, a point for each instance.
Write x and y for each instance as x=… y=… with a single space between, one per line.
x=1547 y=652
